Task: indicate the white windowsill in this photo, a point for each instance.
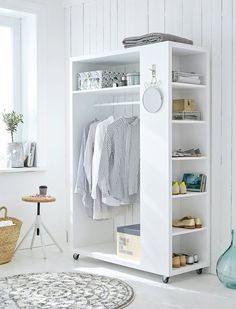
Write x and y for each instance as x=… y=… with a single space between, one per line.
x=21 y=170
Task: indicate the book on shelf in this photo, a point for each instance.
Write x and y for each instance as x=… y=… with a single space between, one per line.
x=195 y=182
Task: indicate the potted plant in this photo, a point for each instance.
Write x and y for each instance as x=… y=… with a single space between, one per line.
x=15 y=152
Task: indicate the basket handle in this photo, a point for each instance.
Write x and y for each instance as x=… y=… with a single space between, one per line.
x=5 y=209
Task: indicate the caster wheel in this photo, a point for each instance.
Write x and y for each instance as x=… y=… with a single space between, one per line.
x=76 y=256
x=199 y=271
x=165 y=279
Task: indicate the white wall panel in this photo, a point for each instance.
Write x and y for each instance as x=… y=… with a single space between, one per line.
x=99 y=27
x=174 y=16
x=77 y=29
x=192 y=20
x=107 y=25
x=87 y=27
x=136 y=17
x=121 y=22
x=156 y=19
x=114 y=24
x=93 y=25
x=210 y=23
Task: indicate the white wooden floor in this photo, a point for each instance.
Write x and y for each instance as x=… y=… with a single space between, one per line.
x=186 y=291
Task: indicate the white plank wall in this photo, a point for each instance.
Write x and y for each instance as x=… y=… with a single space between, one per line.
x=100 y=25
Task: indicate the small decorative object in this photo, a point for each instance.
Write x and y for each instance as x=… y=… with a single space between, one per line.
x=226 y=265
x=97 y=79
x=123 y=81
x=184 y=105
x=152 y=96
x=15 y=151
x=43 y=190
x=133 y=78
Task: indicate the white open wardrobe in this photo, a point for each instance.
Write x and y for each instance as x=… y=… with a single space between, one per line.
x=159 y=135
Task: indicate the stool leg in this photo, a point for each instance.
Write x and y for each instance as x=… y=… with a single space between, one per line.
x=32 y=241
x=27 y=233
x=54 y=241
x=38 y=214
x=39 y=232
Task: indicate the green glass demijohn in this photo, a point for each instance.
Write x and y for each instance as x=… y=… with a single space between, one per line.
x=226 y=265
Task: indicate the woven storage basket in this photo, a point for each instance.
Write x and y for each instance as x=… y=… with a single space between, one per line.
x=8 y=237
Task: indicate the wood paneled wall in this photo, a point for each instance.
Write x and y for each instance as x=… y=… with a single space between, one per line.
x=94 y=26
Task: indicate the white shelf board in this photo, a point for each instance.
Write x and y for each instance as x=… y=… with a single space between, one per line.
x=176 y=85
x=188 y=122
x=189 y=195
x=188 y=158
x=188 y=268
x=110 y=91
x=106 y=252
x=117 y=103
x=21 y=170
x=176 y=231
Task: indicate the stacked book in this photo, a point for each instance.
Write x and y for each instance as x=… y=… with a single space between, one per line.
x=195 y=182
x=184 y=77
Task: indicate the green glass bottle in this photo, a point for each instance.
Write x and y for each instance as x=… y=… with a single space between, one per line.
x=226 y=265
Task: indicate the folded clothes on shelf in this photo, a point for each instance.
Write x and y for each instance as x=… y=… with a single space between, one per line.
x=6 y=223
x=186 y=77
x=155 y=37
x=195 y=115
x=193 y=152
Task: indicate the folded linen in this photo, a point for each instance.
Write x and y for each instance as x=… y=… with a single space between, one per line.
x=6 y=223
x=154 y=37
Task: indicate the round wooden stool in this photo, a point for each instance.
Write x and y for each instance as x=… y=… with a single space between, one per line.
x=38 y=224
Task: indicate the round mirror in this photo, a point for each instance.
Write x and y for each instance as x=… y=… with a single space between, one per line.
x=152 y=99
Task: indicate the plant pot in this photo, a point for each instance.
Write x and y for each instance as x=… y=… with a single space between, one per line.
x=15 y=155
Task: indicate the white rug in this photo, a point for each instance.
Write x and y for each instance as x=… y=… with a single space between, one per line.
x=64 y=290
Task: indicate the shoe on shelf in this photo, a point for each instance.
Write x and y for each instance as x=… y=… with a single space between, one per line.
x=178 y=260
x=185 y=222
x=198 y=223
x=175 y=188
x=196 y=259
x=175 y=261
x=182 y=188
x=189 y=259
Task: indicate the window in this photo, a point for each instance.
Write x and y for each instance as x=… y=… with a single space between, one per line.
x=10 y=75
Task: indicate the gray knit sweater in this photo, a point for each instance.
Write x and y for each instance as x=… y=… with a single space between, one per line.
x=120 y=160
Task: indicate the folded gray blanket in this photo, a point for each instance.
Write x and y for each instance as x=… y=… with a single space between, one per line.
x=154 y=37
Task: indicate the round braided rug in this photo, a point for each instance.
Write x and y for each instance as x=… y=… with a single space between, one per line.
x=64 y=290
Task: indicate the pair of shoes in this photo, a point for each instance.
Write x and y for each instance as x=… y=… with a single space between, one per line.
x=191 y=259
x=179 y=188
x=188 y=223
x=178 y=260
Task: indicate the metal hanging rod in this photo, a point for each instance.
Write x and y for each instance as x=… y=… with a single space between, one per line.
x=117 y=103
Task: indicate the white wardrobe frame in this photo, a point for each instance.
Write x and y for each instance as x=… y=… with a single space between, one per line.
x=157 y=132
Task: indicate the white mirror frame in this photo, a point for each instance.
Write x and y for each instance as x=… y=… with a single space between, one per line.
x=155 y=105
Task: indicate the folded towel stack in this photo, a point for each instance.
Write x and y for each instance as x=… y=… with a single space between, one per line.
x=6 y=223
x=155 y=37
x=184 y=77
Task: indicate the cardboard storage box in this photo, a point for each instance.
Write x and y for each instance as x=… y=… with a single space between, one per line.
x=128 y=242
x=183 y=105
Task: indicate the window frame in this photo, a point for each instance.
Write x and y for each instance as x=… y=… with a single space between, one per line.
x=15 y=24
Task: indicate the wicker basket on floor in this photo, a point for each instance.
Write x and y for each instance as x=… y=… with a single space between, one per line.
x=8 y=237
